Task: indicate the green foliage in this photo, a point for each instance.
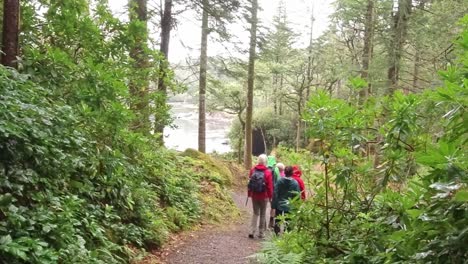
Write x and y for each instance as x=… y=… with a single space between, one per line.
x=69 y=196
x=408 y=207
x=277 y=252
x=77 y=185
x=278 y=130
x=219 y=172
x=357 y=83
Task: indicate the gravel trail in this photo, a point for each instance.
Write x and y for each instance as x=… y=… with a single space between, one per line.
x=226 y=244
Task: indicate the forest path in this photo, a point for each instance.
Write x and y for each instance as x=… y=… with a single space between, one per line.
x=227 y=243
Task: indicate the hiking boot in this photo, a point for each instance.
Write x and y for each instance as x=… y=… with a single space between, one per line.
x=271 y=223
x=251 y=236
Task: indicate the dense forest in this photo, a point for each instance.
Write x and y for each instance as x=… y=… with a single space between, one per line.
x=373 y=109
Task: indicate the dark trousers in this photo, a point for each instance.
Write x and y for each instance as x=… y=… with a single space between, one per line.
x=277 y=221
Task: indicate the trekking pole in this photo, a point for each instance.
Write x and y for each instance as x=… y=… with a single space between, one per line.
x=246 y=200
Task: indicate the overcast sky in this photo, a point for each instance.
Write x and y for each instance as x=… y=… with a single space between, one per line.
x=185 y=39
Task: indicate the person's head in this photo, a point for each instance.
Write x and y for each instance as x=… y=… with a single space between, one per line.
x=288 y=171
x=262 y=159
x=297 y=171
x=271 y=161
x=280 y=166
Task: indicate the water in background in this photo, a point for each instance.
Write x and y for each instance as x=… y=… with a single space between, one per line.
x=185 y=133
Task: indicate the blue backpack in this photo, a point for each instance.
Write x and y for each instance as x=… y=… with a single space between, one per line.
x=257 y=181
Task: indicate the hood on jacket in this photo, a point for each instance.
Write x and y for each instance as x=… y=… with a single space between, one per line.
x=271 y=161
x=297 y=171
x=260 y=167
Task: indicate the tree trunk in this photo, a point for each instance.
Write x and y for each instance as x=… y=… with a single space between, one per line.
x=327 y=187
x=139 y=84
x=166 y=22
x=242 y=133
x=396 y=44
x=417 y=57
x=309 y=55
x=202 y=83
x=239 y=150
x=298 y=132
x=310 y=77
x=10 y=46
x=275 y=93
x=367 y=50
x=281 y=99
x=166 y=26
x=250 y=86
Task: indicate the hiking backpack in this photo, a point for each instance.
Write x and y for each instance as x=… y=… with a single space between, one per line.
x=257 y=181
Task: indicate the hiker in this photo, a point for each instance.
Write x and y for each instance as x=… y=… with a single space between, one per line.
x=297 y=173
x=286 y=188
x=271 y=163
x=280 y=167
x=260 y=189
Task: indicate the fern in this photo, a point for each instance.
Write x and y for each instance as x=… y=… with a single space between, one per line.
x=273 y=254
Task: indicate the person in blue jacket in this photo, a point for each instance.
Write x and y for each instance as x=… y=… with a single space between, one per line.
x=286 y=188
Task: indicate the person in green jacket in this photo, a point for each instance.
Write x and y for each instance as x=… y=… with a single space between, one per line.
x=286 y=188
x=271 y=164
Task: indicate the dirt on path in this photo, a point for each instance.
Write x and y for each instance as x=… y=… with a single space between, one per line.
x=226 y=244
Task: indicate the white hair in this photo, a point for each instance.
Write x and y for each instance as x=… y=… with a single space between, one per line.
x=280 y=166
x=262 y=159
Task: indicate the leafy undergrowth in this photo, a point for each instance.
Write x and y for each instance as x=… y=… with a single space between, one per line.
x=405 y=200
x=76 y=186
x=307 y=162
x=214 y=175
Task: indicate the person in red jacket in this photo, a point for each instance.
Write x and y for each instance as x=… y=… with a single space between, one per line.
x=260 y=196
x=297 y=173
